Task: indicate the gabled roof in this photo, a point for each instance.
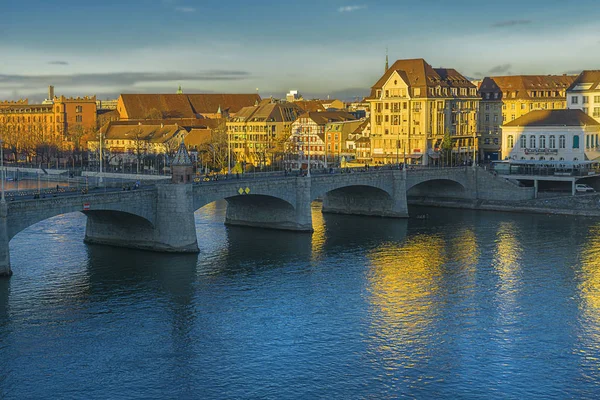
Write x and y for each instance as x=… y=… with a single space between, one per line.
x=417 y=73
x=522 y=86
x=186 y=123
x=554 y=118
x=150 y=133
x=142 y=106
x=586 y=80
x=269 y=112
x=323 y=118
x=310 y=105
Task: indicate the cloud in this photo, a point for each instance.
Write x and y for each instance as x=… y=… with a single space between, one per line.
x=500 y=69
x=351 y=8
x=185 y=9
x=58 y=63
x=511 y=22
x=118 y=79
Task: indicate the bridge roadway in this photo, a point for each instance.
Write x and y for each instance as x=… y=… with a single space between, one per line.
x=161 y=217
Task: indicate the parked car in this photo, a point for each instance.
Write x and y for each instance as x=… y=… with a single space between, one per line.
x=580 y=187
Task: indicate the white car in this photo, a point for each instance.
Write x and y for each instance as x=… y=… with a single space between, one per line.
x=580 y=187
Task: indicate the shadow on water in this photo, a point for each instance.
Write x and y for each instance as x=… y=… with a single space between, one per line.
x=114 y=270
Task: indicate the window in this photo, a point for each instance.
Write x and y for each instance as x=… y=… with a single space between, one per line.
x=523 y=141
x=523 y=106
x=78 y=118
x=487 y=117
x=511 y=141
x=596 y=112
x=574 y=100
x=496 y=141
x=78 y=109
x=587 y=141
x=552 y=141
x=532 y=142
x=585 y=99
x=597 y=99
x=576 y=141
x=542 y=142
x=562 y=142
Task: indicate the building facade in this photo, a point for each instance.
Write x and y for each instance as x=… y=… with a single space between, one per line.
x=308 y=135
x=551 y=135
x=257 y=134
x=336 y=141
x=584 y=94
x=506 y=98
x=413 y=106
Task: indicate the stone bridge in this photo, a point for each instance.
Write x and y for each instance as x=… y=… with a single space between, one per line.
x=161 y=218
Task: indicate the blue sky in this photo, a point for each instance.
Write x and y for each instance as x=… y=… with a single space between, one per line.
x=326 y=47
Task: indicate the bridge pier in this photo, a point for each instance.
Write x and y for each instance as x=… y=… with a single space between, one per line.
x=4 y=252
x=173 y=230
x=369 y=201
x=262 y=211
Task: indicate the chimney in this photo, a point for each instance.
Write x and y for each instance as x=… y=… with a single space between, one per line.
x=50 y=92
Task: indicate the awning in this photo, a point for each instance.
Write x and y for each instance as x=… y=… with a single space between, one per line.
x=592 y=155
x=434 y=155
x=415 y=156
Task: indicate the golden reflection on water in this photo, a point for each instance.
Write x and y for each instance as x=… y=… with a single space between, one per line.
x=507 y=265
x=318 y=237
x=403 y=283
x=589 y=287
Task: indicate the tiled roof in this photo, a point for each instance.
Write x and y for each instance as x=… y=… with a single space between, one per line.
x=586 y=80
x=182 y=157
x=269 y=112
x=141 y=106
x=186 y=123
x=522 y=86
x=152 y=133
x=322 y=118
x=310 y=105
x=417 y=73
x=554 y=118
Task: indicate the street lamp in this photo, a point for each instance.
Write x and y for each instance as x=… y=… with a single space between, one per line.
x=3 y=200
x=308 y=140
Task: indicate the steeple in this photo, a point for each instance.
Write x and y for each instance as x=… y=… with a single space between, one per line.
x=179 y=90
x=219 y=110
x=387 y=64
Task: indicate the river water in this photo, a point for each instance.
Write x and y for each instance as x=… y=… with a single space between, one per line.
x=461 y=305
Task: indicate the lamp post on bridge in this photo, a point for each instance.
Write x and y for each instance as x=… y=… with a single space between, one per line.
x=3 y=200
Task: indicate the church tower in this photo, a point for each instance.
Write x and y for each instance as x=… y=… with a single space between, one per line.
x=387 y=64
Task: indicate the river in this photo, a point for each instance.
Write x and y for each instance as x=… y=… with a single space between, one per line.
x=461 y=305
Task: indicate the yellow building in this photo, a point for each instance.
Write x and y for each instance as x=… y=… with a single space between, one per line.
x=414 y=105
x=257 y=134
x=506 y=98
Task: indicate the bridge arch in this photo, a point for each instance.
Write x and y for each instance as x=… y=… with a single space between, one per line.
x=441 y=188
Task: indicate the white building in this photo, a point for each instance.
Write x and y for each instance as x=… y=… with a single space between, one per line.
x=554 y=135
x=584 y=94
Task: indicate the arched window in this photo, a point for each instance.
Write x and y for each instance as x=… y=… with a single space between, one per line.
x=532 y=142
x=562 y=159
x=542 y=158
x=562 y=142
x=552 y=141
x=576 y=141
x=511 y=141
x=542 y=142
x=551 y=158
x=523 y=141
x=532 y=158
x=522 y=158
x=576 y=159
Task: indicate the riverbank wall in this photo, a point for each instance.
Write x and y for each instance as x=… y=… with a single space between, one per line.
x=587 y=205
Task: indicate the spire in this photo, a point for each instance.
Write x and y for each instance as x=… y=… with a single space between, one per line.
x=219 y=110
x=387 y=64
x=179 y=90
x=182 y=157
